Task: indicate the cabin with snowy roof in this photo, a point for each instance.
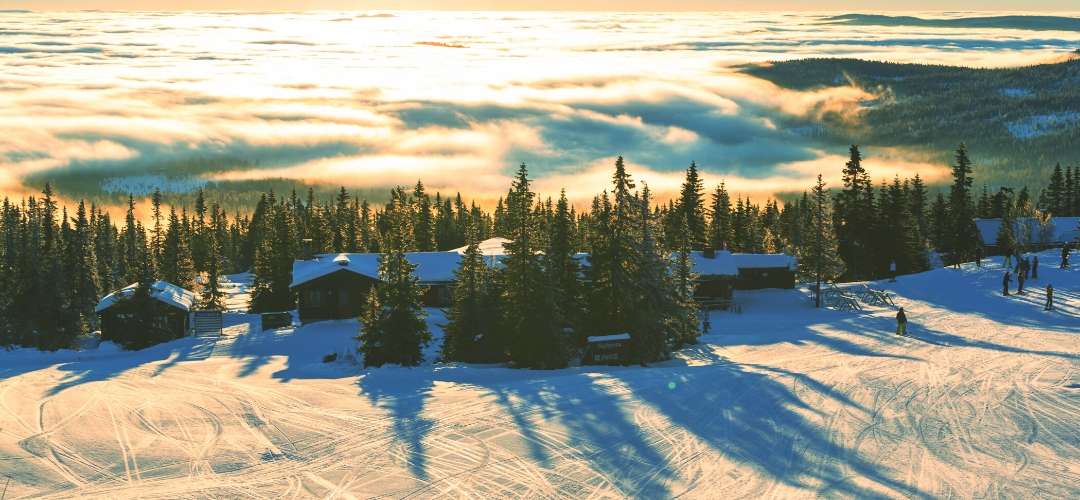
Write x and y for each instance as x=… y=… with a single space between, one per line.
x=764 y=270
x=1058 y=232
x=716 y=274
x=335 y=286
x=169 y=308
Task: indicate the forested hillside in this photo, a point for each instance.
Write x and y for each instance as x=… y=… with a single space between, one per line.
x=1022 y=121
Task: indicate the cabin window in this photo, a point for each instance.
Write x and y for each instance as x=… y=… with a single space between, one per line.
x=315 y=298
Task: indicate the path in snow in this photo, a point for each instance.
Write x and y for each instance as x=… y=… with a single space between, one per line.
x=782 y=400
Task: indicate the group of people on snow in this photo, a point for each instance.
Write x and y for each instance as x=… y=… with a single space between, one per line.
x=1029 y=267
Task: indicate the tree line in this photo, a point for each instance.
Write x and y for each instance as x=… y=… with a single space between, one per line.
x=56 y=263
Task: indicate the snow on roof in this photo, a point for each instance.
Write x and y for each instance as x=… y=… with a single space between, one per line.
x=609 y=338
x=488 y=247
x=1061 y=230
x=162 y=291
x=764 y=261
x=431 y=267
x=722 y=264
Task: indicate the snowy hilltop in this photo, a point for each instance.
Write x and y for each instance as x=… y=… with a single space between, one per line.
x=780 y=400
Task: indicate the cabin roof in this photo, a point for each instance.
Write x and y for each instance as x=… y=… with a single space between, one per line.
x=162 y=291
x=764 y=261
x=431 y=267
x=721 y=264
x=490 y=247
x=1061 y=230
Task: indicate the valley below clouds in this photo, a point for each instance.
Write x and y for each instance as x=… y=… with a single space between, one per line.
x=100 y=102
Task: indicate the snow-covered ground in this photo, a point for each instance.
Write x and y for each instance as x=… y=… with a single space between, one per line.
x=983 y=400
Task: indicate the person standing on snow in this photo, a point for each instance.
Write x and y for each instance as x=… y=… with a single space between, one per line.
x=1049 y=298
x=892 y=271
x=1020 y=283
x=1005 y=283
x=901 y=323
x=1035 y=268
x=978 y=256
x=1065 y=256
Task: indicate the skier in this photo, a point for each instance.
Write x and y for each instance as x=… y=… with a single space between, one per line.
x=1065 y=256
x=1020 y=283
x=1049 y=298
x=1035 y=268
x=901 y=323
x=1005 y=283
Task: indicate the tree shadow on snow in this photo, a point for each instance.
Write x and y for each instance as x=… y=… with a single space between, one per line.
x=597 y=428
x=105 y=368
x=750 y=418
x=403 y=392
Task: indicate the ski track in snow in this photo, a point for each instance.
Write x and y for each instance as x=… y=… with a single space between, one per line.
x=983 y=400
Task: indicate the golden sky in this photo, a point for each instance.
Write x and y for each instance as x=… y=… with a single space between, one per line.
x=622 y=5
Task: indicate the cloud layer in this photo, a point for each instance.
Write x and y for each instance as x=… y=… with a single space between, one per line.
x=457 y=99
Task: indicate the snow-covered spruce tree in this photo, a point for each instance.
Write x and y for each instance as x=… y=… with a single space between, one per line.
x=819 y=259
x=394 y=330
x=472 y=332
x=530 y=315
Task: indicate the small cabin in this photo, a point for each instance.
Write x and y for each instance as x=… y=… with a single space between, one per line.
x=716 y=274
x=1058 y=232
x=759 y=271
x=607 y=350
x=336 y=286
x=333 y=286
x=170 y=317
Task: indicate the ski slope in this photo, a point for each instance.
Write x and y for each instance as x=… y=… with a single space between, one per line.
x=983 y=400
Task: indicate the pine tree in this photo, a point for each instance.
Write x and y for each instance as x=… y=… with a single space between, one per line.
x=1056 y=195
x=819 y=256
x=472 y=332
x=964 y=236
x=652 y=303
x=686 y=321
x=691 y=208
x=530 y=314
x=394 y=330
x=423 y=222
x=720 y=233
x=212 y=297
x=853 y=218
x=562 y=267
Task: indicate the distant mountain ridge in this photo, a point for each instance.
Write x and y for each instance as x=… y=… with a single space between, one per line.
x=1037 y=23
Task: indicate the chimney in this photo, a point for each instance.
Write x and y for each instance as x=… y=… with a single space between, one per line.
x=305 y=249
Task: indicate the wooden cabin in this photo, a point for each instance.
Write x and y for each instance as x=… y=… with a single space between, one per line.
x=170 y=319
x=1058 y=232
x=758 y=271
x=716 y=274
x=335 y=286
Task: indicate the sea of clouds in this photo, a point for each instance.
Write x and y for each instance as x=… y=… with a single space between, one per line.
x=455 y=99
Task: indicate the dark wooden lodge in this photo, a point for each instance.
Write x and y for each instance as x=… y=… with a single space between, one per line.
x=170 y=308
x=759 y=271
